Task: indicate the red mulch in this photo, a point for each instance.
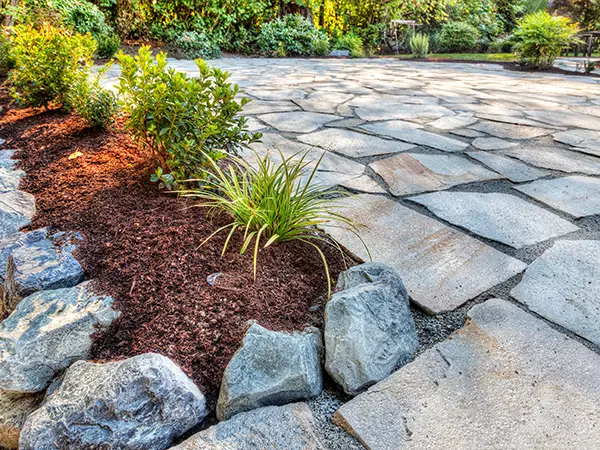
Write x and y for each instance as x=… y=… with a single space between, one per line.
x=142 y=247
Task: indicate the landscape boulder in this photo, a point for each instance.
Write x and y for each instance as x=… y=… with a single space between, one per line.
x=271 y=368
x=16 y=211
x=144 y=402
x=14 y=409
x=47 y=332
x=289 y=427
x=369 y=328
x=6 y=160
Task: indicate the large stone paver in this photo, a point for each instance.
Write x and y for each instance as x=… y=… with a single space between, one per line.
x=406 y=111
x=506 y=381
x=509 y=131
x=576 y=195
x=407 y=133
x=500 y=217
x=563 y=285
x=413 y=173
x=512 y=169
x=586 y=141
x=566 y=118
x=297 y=122
x=441 y=267
x=554 y=158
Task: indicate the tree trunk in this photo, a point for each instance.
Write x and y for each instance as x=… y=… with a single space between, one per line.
x=9 y=20
x=286 y=8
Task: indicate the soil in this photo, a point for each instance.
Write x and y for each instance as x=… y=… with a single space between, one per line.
x=142 y=246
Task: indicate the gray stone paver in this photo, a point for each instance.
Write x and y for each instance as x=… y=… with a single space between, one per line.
x=492 y=143
x=506 y=381
x=563 y=285
x=509 y=131
x=500 y=217
x=510 y=168
x=399 y=130
x=578 y=196
x=555 y=158
x=297 y=122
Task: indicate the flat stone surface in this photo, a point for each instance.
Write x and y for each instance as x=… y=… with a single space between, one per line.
x=289 y=427
x=510 y=168
x=412 y=173
x=16 y=211
x=492 y=143
x=297 y=122
x=441 y=267
x=276 y=95
x=510 y=131
x=323 y=102
x=506 y=381
x=576 y=195
x=264 y=107
x=557 y=159
x=586 y=141
x=500 y=217
x=467 y=133
x=566 y=119
x=452 y=122
x=353 y=144
x=406 y=111
x=399 y=130
x=563 y=285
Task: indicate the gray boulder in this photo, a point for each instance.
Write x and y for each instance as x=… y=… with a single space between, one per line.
x=271 y=368
x=6 y=160
x=144 y=402
x=47 y=332
x=16 y=211
x=10 y=179
x=340 y=53
x=14 y=409
x=38 y=261
x=289 y=427
x=369 y=328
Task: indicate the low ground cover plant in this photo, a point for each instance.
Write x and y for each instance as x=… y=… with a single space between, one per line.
x=541 y=37
x=419 y=45
x=271 y=203
x=185 y=122
x=292 y=35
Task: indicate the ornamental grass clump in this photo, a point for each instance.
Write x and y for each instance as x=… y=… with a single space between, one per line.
x=272 y=203
x=419 y=45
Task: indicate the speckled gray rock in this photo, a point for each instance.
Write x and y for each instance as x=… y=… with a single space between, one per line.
x=16 y=240
x=144 y=402
x=47 y=332
x=10 y=179
x=38 y=261
x=510 y=168
x=289 y=427
x=16 y=211
x=271 y=368
x=6 y=160
x=14 y=409
x=340 y=53
x=369 y=329
x=506 y=381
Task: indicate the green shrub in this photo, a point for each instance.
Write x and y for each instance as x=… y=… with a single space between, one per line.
x=419 y=45
x=541 y=37
x=456 y=37
x=192 y=45
x=48 y=61
x=271 y=203
x=293 y=35
x=351 y=42
x=504 y=44
x=7 y=59
x=97 y=105
x=321 y=47
x=182 y=120
x=108 y=44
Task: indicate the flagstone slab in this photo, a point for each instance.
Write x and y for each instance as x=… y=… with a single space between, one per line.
x=400 y=130
x=510 y=131
x=492 y=143
x=563 y=285
x=510 y=168
x=263 y=107
x=413 y=173
x=403 y=111
x=467 y=133
x=500 y=217
x=441 y=267
x=323 y=102
x=276 y=95
x=505 y=381
x=586 y=141
x=297 y=122
x=453 y=122
x=577 y=195
x=554 y=158
x=353 y=144
x=566 y=118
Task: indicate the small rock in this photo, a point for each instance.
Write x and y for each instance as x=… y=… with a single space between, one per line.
x=14 y=409
x=144 y=402
x=289 y=427
x=47 y=332
x=369 y=329
x=340 y=53
x=37 y=261
x=6 y=160
x=16 y=210
x=271 y=368
x=10 y=179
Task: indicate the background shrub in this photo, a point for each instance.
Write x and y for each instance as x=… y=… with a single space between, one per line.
x=419 y=45
x=541 y=38
x=456 y=37
x=182 y=120
x=48 y=61
x=503 y=44
x=193 y=45
x=293 y=35
x=351 y=42
x=98 y=106
x=7 y=59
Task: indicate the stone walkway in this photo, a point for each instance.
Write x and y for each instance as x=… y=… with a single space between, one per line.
x=473 y=182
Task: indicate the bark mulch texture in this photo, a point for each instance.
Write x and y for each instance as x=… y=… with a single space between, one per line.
x=142 y=247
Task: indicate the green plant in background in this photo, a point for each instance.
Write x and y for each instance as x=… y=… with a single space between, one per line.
x=193 y=45
x=419 y=45
x=7 y=59
x=294 y=34
x=456 y=37
x=541 y=37
x=97 y=105
x=185 y=122
x=321 y=47
x=48 y=61
x=271 y=203
x=351 y=42
x=503 y=44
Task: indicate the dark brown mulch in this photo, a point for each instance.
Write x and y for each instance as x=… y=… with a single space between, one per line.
x=142 y=247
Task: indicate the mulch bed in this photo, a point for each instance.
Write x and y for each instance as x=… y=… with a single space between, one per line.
x=142 y=247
